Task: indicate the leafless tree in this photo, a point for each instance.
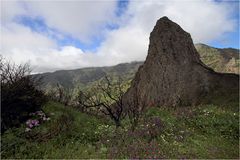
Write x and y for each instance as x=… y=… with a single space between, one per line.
x=106 y=97
x=60 y=94
x=11 y=73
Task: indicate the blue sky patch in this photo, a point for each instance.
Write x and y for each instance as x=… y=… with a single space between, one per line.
x=122 y=6
x=231 y=39
x=36 y=24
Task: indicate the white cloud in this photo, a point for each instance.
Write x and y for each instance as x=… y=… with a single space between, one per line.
x=67 y=57
x=9 y=9
x=15 y=36
x=204 y=20
x=124 y=45
x=80 y=19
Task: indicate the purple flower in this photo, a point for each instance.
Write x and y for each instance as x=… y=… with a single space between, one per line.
x=35 y=122
x=30 y=125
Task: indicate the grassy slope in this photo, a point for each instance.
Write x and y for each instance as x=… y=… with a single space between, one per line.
x=189 y=132
x=75 y=139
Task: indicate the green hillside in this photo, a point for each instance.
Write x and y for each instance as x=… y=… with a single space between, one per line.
x=221 y=60
x=187 y=132
x=86 y=76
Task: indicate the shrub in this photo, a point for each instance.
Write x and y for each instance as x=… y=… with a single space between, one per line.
x=19 y=94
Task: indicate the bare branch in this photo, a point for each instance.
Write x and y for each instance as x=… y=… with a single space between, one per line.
x=106 y=97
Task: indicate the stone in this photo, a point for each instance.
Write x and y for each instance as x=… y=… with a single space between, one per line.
x=174 y=75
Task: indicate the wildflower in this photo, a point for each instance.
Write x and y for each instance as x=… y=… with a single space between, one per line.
x=27 y=129
x=35 y=122
x=46 y=118
x=40 y=113
x=28 y=122
x=30 y=125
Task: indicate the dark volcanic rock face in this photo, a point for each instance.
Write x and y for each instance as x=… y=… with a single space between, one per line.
x=173 y=73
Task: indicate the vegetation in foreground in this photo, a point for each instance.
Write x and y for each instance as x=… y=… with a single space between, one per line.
x=19 y=94
x=87 y=124
x=206 y=131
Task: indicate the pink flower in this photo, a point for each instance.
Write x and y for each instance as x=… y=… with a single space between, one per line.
x=35 y=122
x=30 y=125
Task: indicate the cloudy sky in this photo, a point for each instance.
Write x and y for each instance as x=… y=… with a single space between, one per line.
x=54 y=34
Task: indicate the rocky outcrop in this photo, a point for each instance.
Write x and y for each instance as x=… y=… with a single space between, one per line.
x=173 y=73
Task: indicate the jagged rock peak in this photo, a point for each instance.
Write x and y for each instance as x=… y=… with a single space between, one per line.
x=169 y=38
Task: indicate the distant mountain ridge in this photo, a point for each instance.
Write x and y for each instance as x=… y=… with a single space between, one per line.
x=221 y=60
x=86 y=76
x=224 y=60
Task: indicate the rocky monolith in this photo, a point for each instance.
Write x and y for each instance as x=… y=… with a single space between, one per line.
x=174 y=75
